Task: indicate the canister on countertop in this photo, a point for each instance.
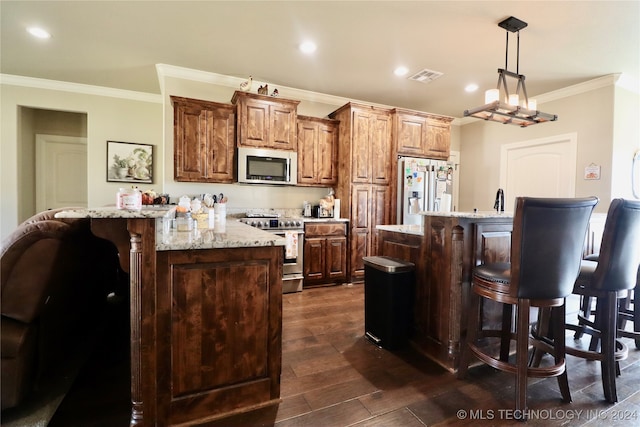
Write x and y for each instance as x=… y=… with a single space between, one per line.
x=184 y=221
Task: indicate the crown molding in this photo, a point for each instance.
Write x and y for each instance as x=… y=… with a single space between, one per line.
x=165 y=70
x=13 y=80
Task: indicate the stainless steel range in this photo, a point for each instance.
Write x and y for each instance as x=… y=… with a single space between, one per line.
x=292 y=229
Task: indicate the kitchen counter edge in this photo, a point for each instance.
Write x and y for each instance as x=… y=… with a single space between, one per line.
x=228 y=234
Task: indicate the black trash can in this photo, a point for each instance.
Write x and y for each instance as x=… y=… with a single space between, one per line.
x=389 y=285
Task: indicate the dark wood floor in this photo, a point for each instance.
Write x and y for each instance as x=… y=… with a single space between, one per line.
x=333 y=376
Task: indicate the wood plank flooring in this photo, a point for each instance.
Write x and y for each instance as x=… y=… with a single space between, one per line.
x=333 y=376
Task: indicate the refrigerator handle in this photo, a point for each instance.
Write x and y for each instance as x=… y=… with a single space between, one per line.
x=431 y=188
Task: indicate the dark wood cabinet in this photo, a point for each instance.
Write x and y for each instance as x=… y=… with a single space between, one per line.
x=317 y=151
x=420 y=134
x=325 y=253
x=265 y=121
x=438 y=138
x=204 y=141
x=221 y=343
x=364 y=181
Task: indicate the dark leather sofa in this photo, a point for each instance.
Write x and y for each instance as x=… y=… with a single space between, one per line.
x=55 y=276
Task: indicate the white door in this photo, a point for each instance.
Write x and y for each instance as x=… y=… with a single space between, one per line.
x=543 y=167
x=61 y=172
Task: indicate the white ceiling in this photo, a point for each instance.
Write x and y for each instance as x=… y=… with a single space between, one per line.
x=360 y=43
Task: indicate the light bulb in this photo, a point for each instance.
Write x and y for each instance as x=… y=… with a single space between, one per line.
x=491 y=95
x=514 y=99
x=533 y=105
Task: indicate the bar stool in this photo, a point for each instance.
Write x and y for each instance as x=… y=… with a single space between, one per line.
x=546 y=248
x=609 y=281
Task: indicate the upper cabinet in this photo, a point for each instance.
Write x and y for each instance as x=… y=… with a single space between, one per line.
x=367 y=134
x=265 y=121
x=204 y=140
x=421 y=134
x=317 y=151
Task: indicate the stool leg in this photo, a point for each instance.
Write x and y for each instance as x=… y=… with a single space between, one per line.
x=542 y=330
x=474 y=324
x=585 y=306
x=636 y=316
x=599 y=325
x=505 y=340
x=558 y=319
x=608 y=334
x=522 y=349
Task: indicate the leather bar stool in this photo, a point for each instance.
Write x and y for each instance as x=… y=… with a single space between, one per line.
x=546 y=249
x=609 y=281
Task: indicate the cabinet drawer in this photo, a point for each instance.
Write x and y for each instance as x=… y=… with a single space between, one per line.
x=325 y=229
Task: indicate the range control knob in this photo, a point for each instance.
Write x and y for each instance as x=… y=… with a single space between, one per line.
x=298 y=223
x=280 y=224
x=287 y=223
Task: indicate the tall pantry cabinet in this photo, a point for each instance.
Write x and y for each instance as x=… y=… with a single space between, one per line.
x=364 y=180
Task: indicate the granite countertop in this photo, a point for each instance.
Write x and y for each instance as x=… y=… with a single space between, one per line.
x=419 y=229
x=307 y=219
x=226 y=234
x=160 y=211
x=479 y=214
x=416 y=229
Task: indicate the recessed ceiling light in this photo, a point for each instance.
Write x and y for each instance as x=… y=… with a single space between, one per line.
x=308 y=47
x=401 y=71
x=39 y=33
x=471 y=87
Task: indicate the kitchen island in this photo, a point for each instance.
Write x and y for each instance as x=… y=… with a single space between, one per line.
x=444 y=249
x=206 y=315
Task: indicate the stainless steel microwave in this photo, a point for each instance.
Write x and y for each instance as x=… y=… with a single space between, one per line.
x=264 y=166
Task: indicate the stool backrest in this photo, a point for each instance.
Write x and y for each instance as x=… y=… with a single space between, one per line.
x=546 y=245
x=620 y=248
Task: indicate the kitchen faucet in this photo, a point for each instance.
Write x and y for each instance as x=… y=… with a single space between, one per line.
x=499 y=204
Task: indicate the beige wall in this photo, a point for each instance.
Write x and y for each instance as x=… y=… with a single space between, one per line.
x=590 y=114
x=108 y=118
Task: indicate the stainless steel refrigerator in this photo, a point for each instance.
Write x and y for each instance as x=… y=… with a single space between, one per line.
x=423 y=185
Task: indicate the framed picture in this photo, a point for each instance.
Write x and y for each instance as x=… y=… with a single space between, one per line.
x=129 y=162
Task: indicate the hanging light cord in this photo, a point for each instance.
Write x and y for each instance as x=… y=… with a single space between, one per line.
x=506 y=54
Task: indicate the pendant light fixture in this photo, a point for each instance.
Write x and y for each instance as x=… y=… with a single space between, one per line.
x=503 y=106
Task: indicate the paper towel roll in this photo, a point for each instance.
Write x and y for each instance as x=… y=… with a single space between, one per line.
x=445 y=202
x=336 y=208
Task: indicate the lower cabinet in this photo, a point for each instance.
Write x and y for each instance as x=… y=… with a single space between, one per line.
x=325 y=253
x=219 y=327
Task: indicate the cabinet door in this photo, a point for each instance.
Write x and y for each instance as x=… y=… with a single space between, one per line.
x=438 y=139
x=360 y=228
x=411 y=131
x=336 y=261
x=380 y=145
x=314 y=258
x=327 y=154
x=190 y=142
x=282 y=127
x=204 y=140
x=307 y=152
x=380 y=212
x=361 y=147
x=317 y=151
x=254 y=124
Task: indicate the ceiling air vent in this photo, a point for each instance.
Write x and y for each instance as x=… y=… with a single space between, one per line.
x=425 y=76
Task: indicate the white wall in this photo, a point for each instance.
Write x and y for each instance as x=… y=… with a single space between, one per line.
x=131 y=117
